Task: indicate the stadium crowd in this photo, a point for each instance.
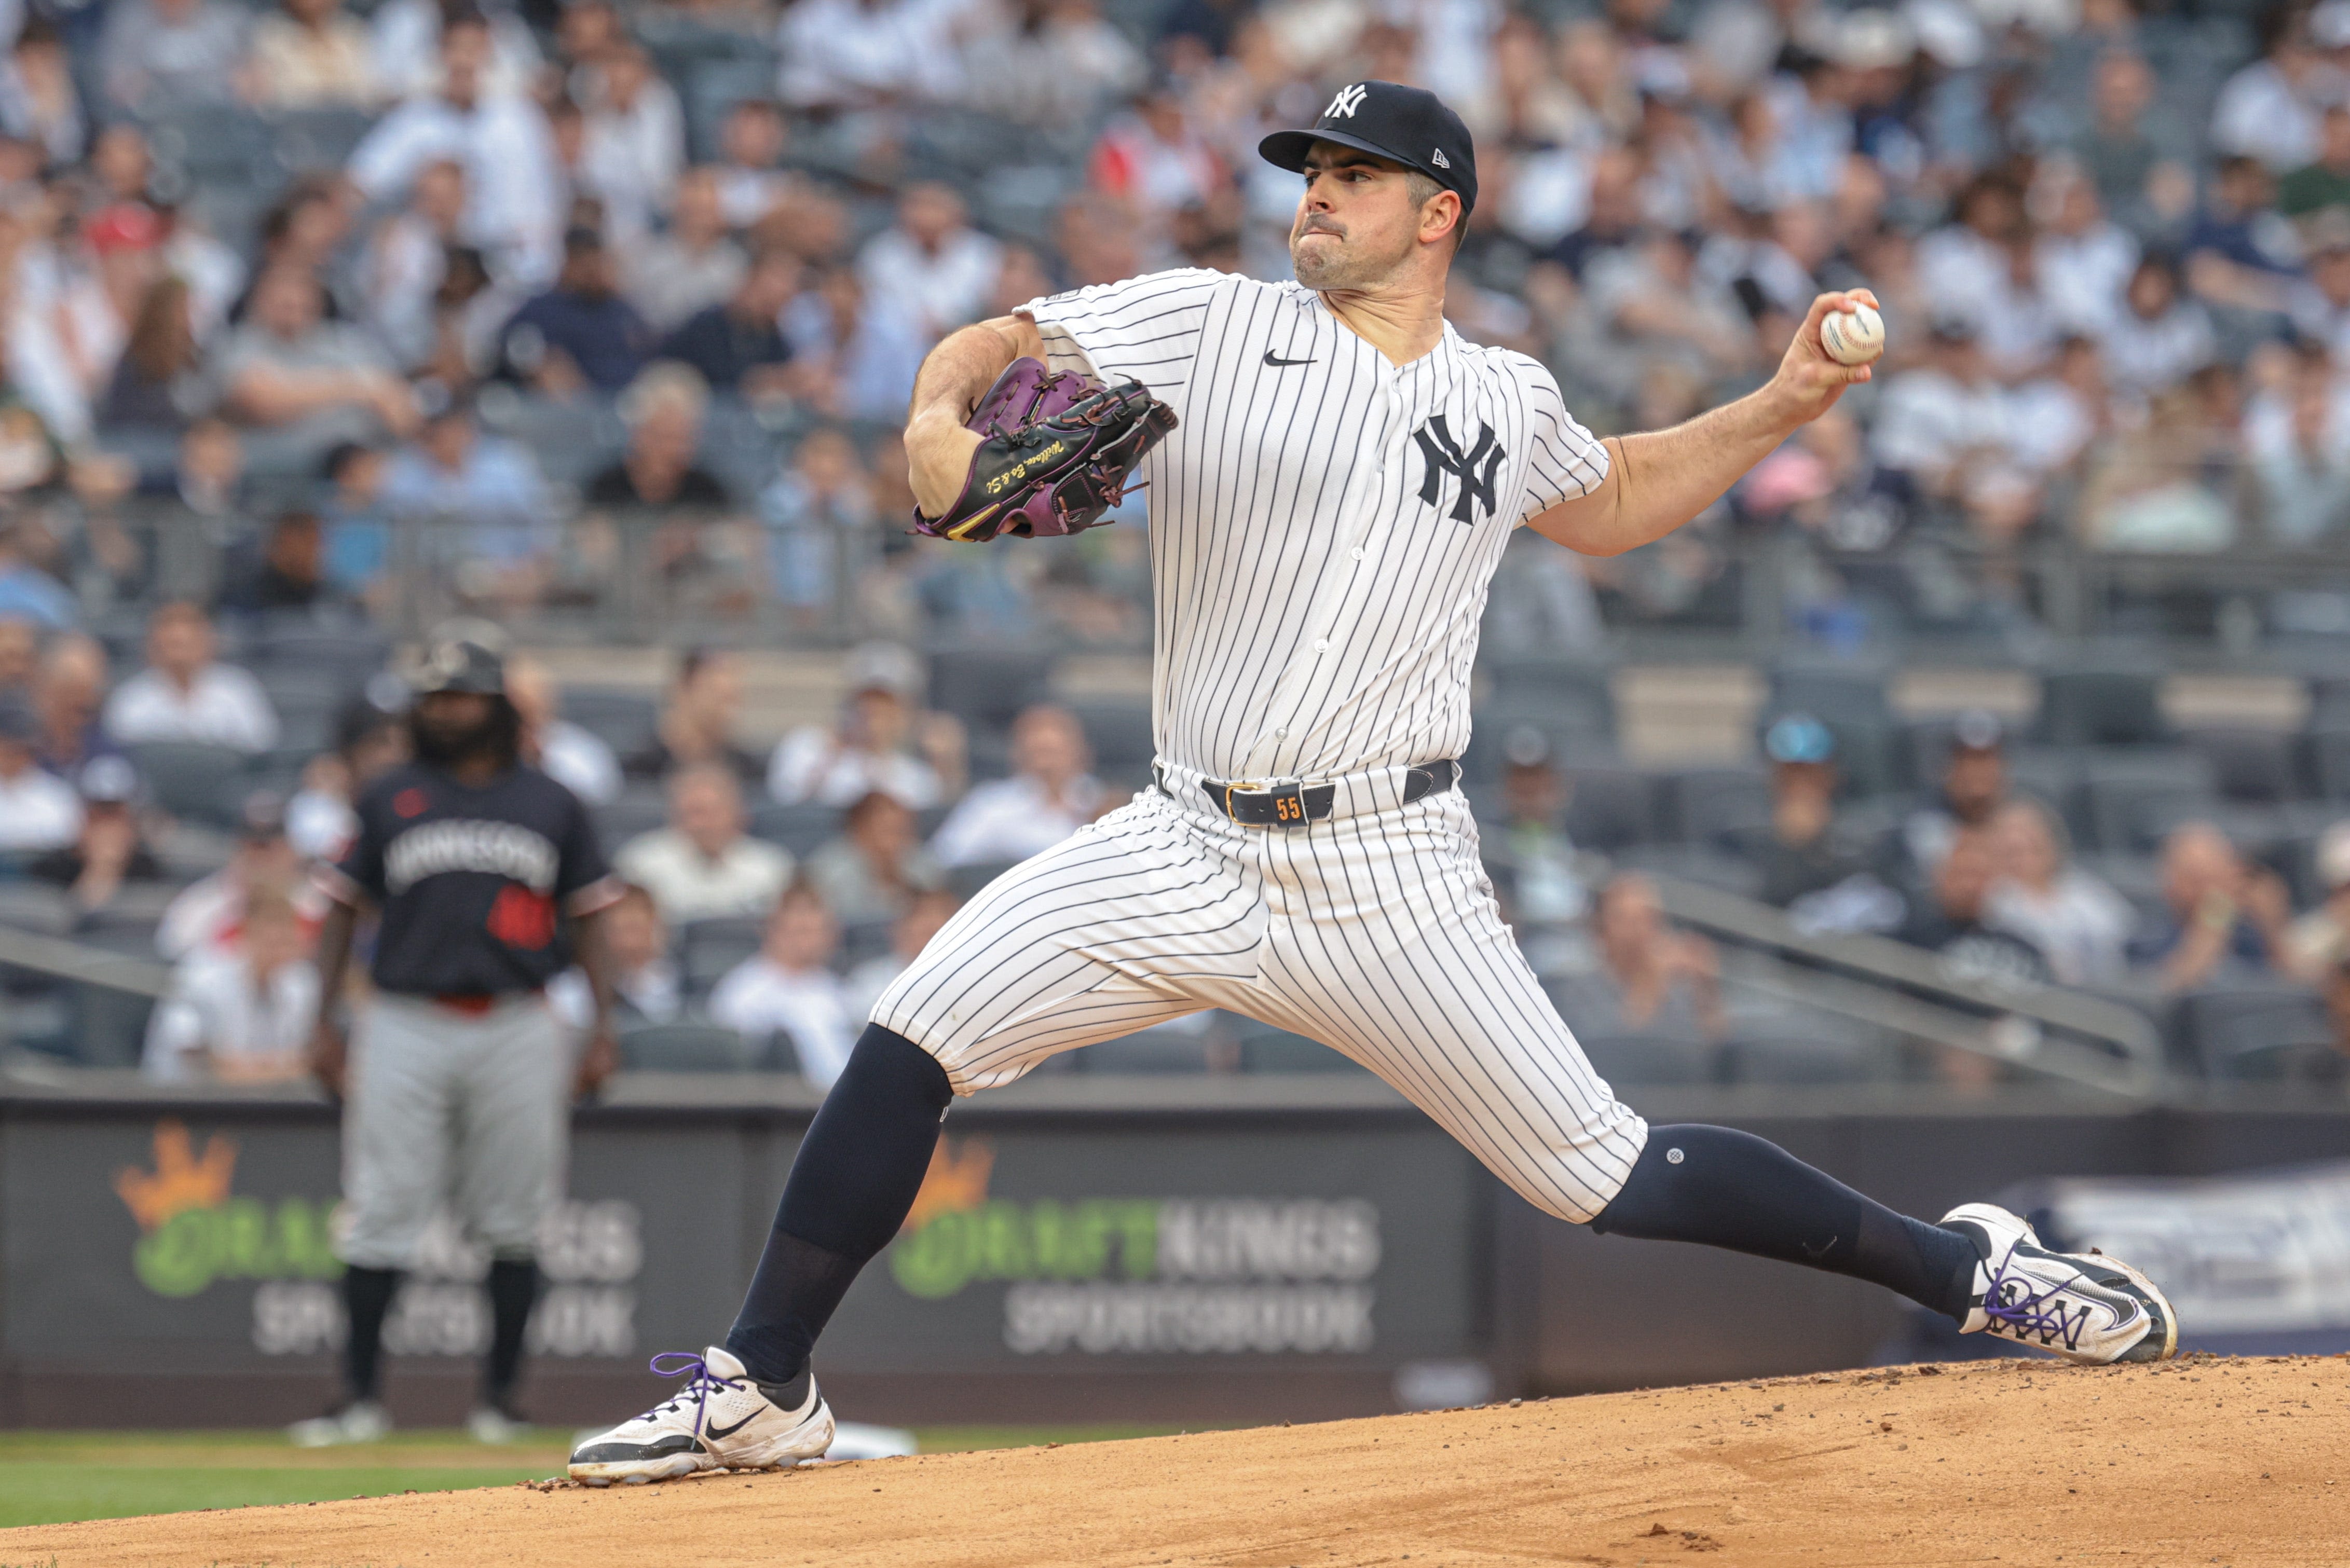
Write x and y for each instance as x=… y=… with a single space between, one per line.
x=320 y=322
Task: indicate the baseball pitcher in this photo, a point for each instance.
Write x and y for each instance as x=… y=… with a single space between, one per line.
x=1333 y=475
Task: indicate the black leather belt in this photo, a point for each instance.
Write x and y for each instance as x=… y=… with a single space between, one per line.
x=1294 y=806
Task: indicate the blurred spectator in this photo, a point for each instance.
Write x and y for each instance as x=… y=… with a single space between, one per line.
x=68 y=691
x=737 y=345
x=159 y=55
x=703 y=864
x=1939 y=422
x=645 y=982
x=2325 y=183
x=818 y=514
x=691 y=266
x=514 y=200
x=574 y=757
x=924 y=914
x=2081 y=261
x=2304 y=471
x=185 y=694
x=636 y=141
x=309 y=54
x=38 y=101
x=310 y=382
x=2135 y=179
x=788 y=986
x=408 y=258
x=2217 y=912
x=883 y=741
x=1050 y=794
x=1547 y=888
x=863 y=54
x=108 y=850
x=2150 y=491
x=1650 y=982
x=1050 y=64
x=751 y=145
x=38 y=811
x=876 y=865
x=30 y=596
x=698 y=719
x=208 y=477
x=2080 y=925
x=2269 y=109
x=1951 y=921
x=2159 y=340
x=241 y=1015
x=20 y=655
x=453 y=474
x=2317 y=945
x=287 y=573
x=357 y=524
x=931 y=259
x=368 y=741
x=1803 y=854
x=411 y=38
x=663 y=411
x=862 y=347
x=1969 y=793
x=1156 y=158
x=581 y=333
x=157 y=384
x=209 y=914
x=2241 y=252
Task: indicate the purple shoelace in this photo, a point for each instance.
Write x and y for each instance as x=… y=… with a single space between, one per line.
x=2025 y=1315
x=687 y=1364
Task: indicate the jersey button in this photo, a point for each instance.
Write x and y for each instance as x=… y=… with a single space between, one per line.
x=1281 y=735
x=1356 y=551
x=1322 y=645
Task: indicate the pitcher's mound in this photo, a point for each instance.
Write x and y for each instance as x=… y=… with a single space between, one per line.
x=2201 y=1460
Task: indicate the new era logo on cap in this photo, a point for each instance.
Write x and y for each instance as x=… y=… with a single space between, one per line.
x=1393 y=121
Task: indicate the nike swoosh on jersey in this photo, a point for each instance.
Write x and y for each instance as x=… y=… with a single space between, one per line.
x=1277 y=361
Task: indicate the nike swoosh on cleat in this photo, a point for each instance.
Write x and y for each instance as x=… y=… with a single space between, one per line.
x=730 y=1431
x=1279 y=363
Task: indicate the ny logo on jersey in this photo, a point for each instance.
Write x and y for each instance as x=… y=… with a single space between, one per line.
x=1348 y=100
x=1475 y=468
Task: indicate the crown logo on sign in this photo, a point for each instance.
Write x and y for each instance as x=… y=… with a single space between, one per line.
x=180 y=1181
x=1439 y=159
x=1348 y=100
x=954 y=1183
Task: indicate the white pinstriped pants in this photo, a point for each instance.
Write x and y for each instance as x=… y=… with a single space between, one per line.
x=1375 y=934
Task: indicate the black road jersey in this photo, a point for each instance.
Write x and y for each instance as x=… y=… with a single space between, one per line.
x=472 y=882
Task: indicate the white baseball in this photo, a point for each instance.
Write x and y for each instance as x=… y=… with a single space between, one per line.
x=1854 y=338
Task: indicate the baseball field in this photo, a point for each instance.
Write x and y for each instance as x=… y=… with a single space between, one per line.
x=2236 y=1461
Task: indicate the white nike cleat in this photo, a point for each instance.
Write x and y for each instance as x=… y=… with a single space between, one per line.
x=2083 y=1306
x=360 y=1421
x=718 y=1420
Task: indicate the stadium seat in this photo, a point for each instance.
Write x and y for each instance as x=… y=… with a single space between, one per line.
x=799 y=828
x=1611 y=809
x=193 y=782
x=625 y=720
x=1705 y=806
x=106 y=1027
x=2253 y=767
x=2101 y=708
x=986 y=688
x=2129 y=801
x=1835 y=694
x=1577 y=693
x=348 y=655
x=2257 y=1030
x=1118 y=732
x=706 y=950
x=641 y=809
x=689 y=1047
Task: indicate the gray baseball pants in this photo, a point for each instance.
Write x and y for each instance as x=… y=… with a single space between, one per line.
x=449 y=1107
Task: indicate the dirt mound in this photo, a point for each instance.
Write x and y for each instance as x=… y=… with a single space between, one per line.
x=2202 y=1460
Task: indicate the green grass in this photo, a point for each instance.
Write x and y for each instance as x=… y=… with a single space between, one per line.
x=48 y=1478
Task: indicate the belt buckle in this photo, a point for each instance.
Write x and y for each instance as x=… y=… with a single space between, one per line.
x=1288 y=801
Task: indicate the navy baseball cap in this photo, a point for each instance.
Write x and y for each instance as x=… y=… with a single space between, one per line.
x=456 y=665
x=1406 y=125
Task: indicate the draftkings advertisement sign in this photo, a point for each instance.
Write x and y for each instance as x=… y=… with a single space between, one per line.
x=207 y=1242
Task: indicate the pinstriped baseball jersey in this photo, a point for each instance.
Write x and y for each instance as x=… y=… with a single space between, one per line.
x=1323 y=526
x=1324 y=522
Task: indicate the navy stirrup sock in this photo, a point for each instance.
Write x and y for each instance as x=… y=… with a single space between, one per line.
x=851 y=1186
x=1721 y=1188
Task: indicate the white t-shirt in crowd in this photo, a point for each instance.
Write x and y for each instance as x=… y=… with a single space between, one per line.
x=222 y=706
x=250 y=1031
x=742 y=879
x=1011 y=819
x=38 y=811
x=653 y=991
x=811 y=763
x=578 y=759
x=758 y=996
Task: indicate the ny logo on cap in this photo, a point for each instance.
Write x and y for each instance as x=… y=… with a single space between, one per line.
x=1348 y=100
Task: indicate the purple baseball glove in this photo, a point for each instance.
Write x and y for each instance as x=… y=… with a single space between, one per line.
x=1057 y=454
